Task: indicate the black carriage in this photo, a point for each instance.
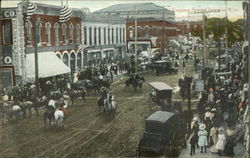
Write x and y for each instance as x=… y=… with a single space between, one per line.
x=161 y=135
x=162 y=67
x=161 y=94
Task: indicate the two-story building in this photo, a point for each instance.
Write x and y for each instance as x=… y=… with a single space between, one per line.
x=104 y=38
x=56 y=43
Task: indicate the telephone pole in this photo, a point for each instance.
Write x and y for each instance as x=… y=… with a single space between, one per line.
x=135 y=39
x=163 y=28
x=37 y=27
x=205 y=41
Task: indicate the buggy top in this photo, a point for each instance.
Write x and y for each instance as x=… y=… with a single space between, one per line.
x=160 y=116
x=160 y=86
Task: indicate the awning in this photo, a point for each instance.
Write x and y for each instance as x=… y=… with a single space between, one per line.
x=48 y=65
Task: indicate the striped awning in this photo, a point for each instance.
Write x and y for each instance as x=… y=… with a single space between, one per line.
x=65 y=14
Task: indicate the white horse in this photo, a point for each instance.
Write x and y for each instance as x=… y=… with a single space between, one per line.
x=11 y=112
x=110 y=106
x=59 y=118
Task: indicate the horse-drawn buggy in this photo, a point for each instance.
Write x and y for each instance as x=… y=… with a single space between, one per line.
x=162 y=67
x=162 y=135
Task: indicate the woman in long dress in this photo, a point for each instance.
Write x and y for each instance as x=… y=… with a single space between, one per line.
x=213 y=135
x=220 y=145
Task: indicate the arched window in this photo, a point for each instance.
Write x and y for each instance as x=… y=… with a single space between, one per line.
x=79 y=60
x=56 y=28
x=39 y=38
x=58 y=55
x=65 y=59
x=64 y=33
x=47 y=27
x=73 y=61
x=29 y=33
x=71 y=33
x=78 y=33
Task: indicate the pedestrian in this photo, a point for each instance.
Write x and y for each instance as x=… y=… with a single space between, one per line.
x=214 y=138
x=193 y=143
x=220 y=145
x=202 y=137
x=184 y=65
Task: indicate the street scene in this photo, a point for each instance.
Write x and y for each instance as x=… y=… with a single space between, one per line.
x=101 y=79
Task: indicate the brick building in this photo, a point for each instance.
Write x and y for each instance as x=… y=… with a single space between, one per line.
x=185 y=28
x=53 y=39
x=150 y=33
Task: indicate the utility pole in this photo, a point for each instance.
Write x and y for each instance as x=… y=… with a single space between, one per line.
x=37 y=27
x=248 y=37
x=205 y=41
x=135 y=39
x=218 y=31
x=226 y=30
x=163 y=30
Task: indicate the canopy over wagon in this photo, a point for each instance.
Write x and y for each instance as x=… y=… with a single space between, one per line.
x=163 y=66
x=160 y=91
x=160 y=131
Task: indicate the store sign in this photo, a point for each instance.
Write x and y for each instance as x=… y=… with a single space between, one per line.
x=8 y=14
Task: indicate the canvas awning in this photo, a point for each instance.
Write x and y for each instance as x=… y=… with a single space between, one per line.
x=48 y=65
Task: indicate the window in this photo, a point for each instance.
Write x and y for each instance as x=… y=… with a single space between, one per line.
x=123 y=32
x=85 y=35
x=78 y=33
x=108 y=35
x=99 y=32
x=71 y=33
x=146 y=31
x=138 y=31
x=56 y=28
x=104 y=34
x=29 y=33
x=94 y=35
x=64 y=33
x=39 y=38
x=112 y=35
x=116 y=35
x=131 y=33
x=120 y=35
x=90 y=36
x=47 y=27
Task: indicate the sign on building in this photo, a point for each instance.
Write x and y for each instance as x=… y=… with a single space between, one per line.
x=8 y=14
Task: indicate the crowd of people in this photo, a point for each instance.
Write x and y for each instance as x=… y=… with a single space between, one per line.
x=222 y=109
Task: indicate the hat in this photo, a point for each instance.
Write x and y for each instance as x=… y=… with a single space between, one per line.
x=213 y=109
x=220 y=130
x=202 y=126
x=218 y=101
x=208 y=108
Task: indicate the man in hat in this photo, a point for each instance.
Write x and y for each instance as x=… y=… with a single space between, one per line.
x=202 y=137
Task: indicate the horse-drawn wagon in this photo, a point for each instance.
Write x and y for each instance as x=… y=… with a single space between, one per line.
x=161 y=94
x=161 y=135
x=161 y=67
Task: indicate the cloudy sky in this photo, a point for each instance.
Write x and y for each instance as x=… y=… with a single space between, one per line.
x=181 y=7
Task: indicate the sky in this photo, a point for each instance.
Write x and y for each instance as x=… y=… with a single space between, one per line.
x=183 y=8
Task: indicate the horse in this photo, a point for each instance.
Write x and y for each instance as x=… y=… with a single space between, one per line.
x=28 y=105
x=102 y=97
x=110 y=106
x=59 y=118
x=135 y=82
x=76 y=94
x=48 y=115
x=11 y=110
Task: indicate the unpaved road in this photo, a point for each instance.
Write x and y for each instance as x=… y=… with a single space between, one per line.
x=88 y=132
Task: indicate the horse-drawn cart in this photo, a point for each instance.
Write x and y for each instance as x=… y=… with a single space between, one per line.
x=160 y=135
x=160 y=93
x=161 y=67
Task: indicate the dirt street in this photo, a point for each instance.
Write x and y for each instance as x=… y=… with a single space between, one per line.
x=88 y=131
